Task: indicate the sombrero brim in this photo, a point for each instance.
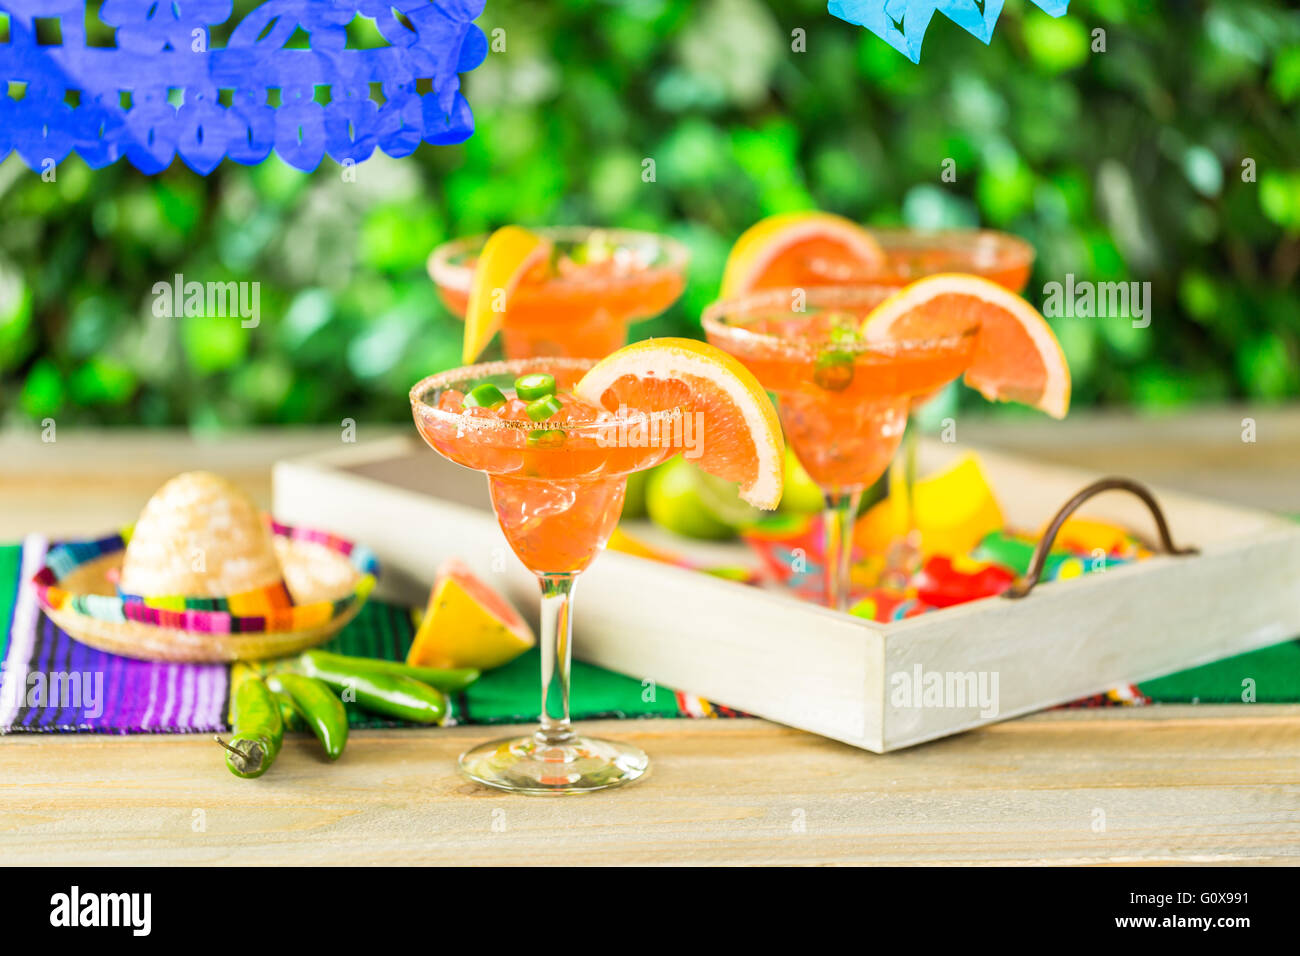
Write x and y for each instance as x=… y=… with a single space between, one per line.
x=329 y=578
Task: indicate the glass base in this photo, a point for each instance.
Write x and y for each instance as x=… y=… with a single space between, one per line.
x=527 y=765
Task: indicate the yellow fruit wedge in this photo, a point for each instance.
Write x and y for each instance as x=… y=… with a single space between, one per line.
x=620 y=540
x=467 y=624
x=779 y=251
x=509 y=254
x=955 y=509
x=740 y=435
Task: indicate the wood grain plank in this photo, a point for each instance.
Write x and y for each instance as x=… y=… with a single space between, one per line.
x=1171 y=785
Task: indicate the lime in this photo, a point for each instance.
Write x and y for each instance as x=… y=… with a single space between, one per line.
x=634 y=499
x=802 y=496
x=685 y=500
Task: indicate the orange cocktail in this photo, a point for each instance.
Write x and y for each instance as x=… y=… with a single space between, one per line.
x=557 y=472
x=557 y=485
x=581 y=299
x=905 y=256
x=843 y=401
x=912 y=254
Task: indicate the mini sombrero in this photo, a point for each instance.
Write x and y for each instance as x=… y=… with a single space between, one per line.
x=203 y=576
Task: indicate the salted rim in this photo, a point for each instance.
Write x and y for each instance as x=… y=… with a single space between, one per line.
x=517 y=367
x=717 y=319
x=452 y=275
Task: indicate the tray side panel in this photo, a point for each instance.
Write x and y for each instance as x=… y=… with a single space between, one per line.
x=755 y=651
x=1069 y=639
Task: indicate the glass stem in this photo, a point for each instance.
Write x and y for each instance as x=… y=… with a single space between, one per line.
x=557 y=655
x=841 y=511
x=903 y=557
x=909 y=476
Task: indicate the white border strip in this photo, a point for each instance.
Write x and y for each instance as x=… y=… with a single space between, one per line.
x=22 y=636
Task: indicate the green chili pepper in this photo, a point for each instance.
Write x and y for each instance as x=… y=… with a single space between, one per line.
x=447 y=680
x=356 y=716
x=486 y=395
x=546 y=437
x=537 y=385
x=257 y=730
x=834 y=370
x=320 y=709
x=393 y=695
x=543 y=408
x=290 y=716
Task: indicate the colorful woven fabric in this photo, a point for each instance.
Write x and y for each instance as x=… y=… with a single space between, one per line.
x=264 y=600
x=52 y=683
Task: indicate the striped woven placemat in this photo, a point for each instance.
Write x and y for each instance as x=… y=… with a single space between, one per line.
x=52 y=683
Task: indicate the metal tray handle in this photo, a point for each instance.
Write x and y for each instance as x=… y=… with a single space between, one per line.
x=1026 y=584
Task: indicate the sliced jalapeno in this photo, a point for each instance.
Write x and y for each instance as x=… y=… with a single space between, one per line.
x=543 y=408
x=546 y=437
x=486 y=395
x=834 y=370
x=534 y=386
x=845 y=335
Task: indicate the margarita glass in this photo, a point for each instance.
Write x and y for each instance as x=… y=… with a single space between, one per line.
x=912 y=254
x=580 y=303
x=843 y=402
x=557 y=487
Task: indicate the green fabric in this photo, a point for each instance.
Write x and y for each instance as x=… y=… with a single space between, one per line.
x=512 y=694
x=11 y=566
x=1275 y=672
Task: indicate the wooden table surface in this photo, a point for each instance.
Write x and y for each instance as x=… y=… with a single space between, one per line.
x=1168 y=784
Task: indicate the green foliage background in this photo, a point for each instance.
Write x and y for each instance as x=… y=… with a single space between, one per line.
x=1126 y=164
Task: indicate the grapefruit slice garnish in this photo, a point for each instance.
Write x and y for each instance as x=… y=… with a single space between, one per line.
x=739 y=436
x=776 y=252
x=509 y=254
x=1017 y=357
x=467 y=624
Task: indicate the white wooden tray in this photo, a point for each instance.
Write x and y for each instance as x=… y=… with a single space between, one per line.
x=767 y=653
